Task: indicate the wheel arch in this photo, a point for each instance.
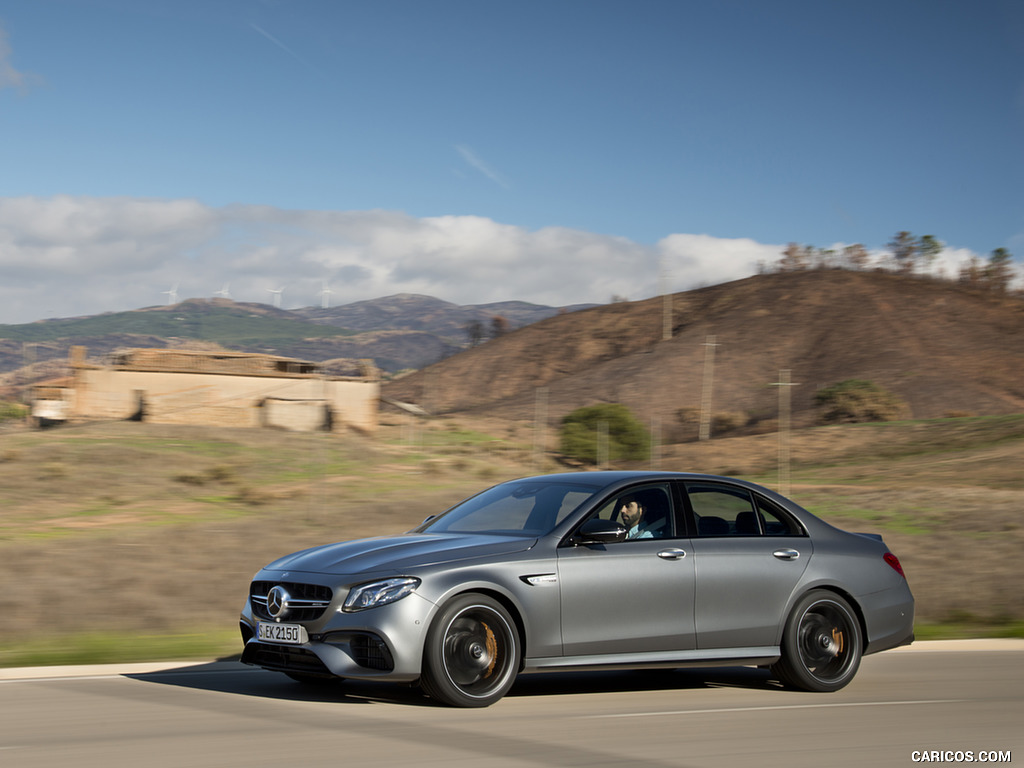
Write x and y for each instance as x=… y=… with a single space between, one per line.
x=836 y=590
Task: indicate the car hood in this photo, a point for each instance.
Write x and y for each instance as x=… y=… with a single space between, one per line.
x=399 y=552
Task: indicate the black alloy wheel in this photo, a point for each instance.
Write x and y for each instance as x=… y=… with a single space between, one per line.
x=821 y=644
x=472 y=653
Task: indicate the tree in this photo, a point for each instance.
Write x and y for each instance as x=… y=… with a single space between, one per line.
x=582 y=432
x=856 y=256
x=928 y=248
x=825 y=258
x=903 y=248
x=795 y=257
x=475 y=332
x=499 y=326
x=972 y=272
x=999 y=271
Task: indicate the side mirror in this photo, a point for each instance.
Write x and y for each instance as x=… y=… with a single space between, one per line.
x=598 y=531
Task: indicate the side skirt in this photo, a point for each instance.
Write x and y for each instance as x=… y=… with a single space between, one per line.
x=711 y=657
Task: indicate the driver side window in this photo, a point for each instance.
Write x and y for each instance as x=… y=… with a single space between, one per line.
x=644 y=511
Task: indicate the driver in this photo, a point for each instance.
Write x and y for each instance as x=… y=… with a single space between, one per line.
x=631 y=513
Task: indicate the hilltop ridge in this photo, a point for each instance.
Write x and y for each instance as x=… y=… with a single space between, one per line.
x=943 y=348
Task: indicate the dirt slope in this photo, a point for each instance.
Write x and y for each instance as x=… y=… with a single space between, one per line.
x=943 y=348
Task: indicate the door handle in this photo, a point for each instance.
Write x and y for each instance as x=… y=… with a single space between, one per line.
x=672 y=554
x=786 y=554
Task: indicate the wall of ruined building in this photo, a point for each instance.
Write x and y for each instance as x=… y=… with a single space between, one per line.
x=297 y=403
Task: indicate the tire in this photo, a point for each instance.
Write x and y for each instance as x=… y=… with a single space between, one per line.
x=821 y=644
x=472 y=653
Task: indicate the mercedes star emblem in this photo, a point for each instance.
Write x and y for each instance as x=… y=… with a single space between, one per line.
x=277 y=601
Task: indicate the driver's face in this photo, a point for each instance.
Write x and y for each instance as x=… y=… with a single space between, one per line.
x=629 y=513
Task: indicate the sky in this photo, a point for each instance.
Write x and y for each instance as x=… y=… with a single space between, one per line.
x=552 y=151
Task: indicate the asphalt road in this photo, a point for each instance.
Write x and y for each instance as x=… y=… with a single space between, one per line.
x=941 y=698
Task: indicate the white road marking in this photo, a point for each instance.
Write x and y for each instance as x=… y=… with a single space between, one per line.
x=672 y=713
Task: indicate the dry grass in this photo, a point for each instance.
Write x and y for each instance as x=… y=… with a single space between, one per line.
x=144 y=530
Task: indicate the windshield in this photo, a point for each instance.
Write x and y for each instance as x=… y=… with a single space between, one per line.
x=528 y=507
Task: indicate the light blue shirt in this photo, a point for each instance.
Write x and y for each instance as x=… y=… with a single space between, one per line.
x=636 y=533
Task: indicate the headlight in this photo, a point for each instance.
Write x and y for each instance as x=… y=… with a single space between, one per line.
x=378 y=593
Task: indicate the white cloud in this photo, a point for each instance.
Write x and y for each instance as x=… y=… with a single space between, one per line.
x=9 y=76
x=66 y=256
x=692 y=260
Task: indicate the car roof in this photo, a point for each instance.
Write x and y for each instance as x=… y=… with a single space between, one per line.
x=607 y=477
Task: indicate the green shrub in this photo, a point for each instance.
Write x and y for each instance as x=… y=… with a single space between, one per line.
x=857 y=400
x=12 y=411
x=582 y=430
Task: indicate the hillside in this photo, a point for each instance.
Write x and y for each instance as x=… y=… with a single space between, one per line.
x=941 y=347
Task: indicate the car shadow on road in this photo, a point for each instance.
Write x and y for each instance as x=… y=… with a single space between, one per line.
x=242 y=680
x=624 y=681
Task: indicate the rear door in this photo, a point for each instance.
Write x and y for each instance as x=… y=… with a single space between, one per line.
x=749 y=556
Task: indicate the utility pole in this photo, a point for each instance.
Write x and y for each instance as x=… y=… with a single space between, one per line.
x=540 y=425
x=666 y=303
x=602 y=445
x=655 y=442
x=784 y=385
x=709 y=378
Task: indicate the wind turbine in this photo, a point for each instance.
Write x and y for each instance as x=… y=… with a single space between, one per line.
x=172 y=295
x=277 y=295
x=324 y=294
x=224 y=293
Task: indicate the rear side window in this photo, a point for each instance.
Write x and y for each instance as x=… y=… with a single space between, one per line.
x=723 y=510
x=775 y=521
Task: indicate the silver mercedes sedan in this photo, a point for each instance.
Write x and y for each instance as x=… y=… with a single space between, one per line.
x=584 y=571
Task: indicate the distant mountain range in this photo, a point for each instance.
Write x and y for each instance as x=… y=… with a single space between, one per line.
x=398 y=332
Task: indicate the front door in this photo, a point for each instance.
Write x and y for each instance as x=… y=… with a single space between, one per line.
x=631 y=596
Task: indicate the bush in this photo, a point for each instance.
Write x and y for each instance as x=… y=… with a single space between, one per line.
x=728 y=421
x=12 y=411
x=856 y=400
x=581 y=431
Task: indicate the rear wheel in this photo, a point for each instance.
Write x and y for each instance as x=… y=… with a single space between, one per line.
x=472 y=652
x=821 y=644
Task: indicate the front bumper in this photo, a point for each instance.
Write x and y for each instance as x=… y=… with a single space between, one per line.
x=383 y=643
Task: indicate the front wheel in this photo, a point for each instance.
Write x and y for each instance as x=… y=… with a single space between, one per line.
x=472 y=653
x=821 y=644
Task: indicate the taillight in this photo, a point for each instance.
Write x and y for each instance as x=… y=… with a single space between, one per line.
x=894 y=563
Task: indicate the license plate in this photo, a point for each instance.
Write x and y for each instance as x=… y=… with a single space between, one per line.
x=272 y=632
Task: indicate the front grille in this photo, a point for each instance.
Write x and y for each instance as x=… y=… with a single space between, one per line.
x=307 y=601
x=370 y=651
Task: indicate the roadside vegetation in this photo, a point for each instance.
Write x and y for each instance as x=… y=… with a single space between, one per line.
x=598 y=434
x=127 y=541
x=11 y=411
